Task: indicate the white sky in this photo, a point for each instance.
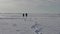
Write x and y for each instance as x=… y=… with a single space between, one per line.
x=32 y=6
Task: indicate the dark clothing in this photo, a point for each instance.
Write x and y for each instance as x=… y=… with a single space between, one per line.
x=26 y=14
x=23 y=14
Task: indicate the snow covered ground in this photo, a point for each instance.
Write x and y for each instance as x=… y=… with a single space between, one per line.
x=16 y=24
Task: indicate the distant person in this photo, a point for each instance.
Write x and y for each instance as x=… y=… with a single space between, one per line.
x=23 y=14
x=26 y=14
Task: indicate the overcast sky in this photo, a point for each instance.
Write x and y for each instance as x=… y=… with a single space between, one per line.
x=32 y=6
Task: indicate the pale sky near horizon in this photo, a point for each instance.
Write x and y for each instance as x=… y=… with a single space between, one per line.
x=31 y=6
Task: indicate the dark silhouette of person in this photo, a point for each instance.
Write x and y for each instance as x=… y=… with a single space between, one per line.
x=26 y=14
x=23 y=14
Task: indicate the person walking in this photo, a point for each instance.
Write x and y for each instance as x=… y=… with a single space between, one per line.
x=23 y=14
x=26 y=14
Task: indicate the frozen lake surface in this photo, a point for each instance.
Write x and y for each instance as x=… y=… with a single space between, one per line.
x=16 y=24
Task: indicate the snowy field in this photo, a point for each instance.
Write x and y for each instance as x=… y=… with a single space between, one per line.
x=16 y=24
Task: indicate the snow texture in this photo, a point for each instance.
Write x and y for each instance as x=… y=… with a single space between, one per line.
x=33 y=24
